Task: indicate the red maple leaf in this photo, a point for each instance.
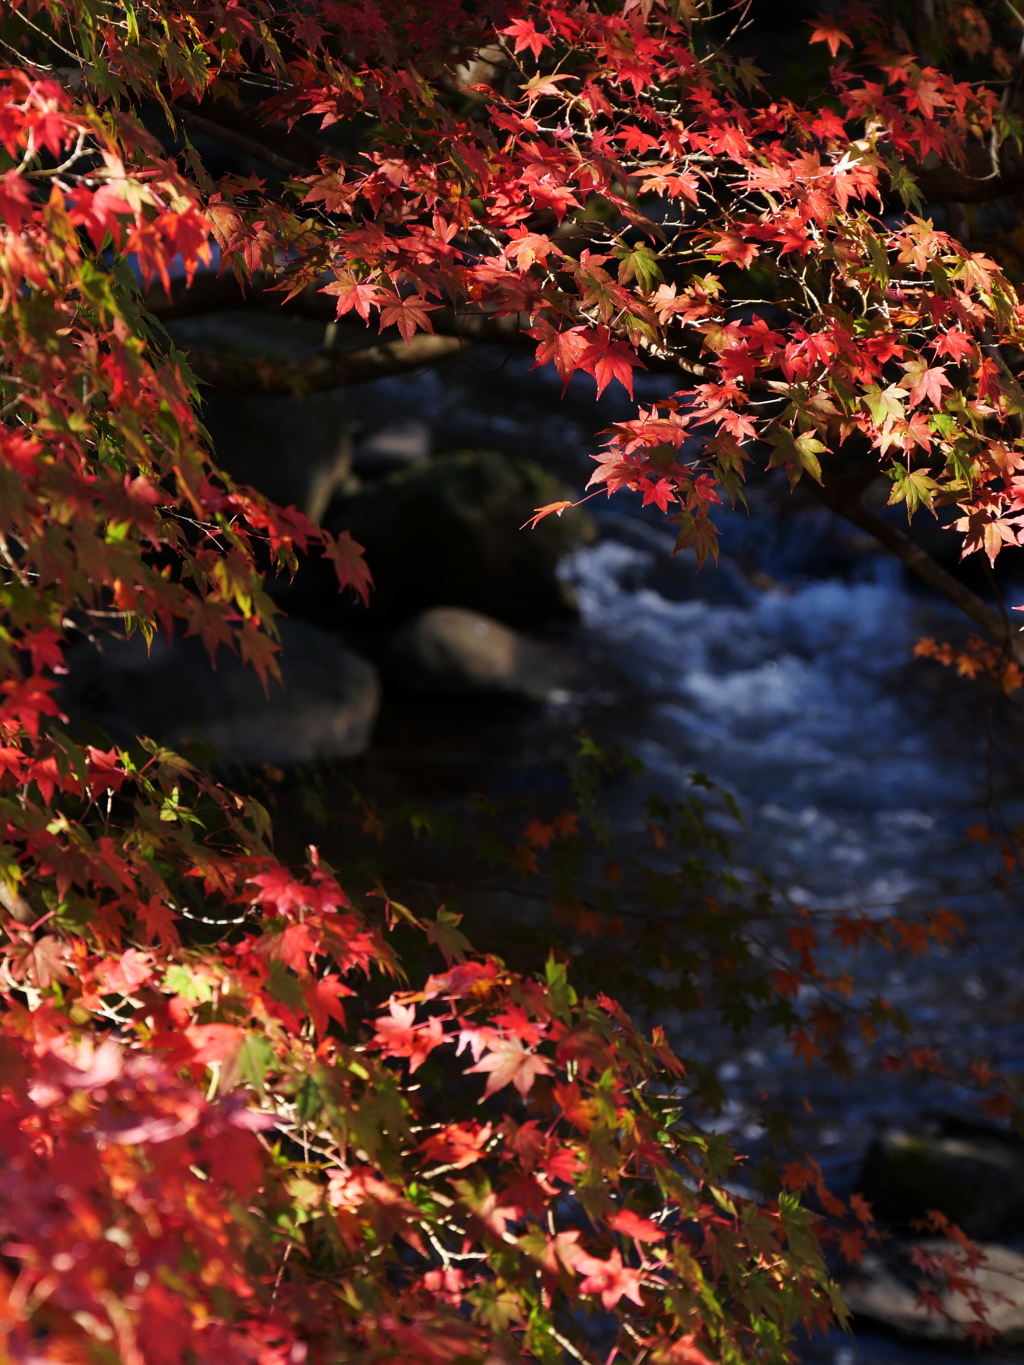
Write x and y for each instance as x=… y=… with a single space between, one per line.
x=954 y=343
x=214 y=1042
x=459 y=1145
x=730 y=246
x=661 y=492
x=122 y=975
x=409 y=315
x=562 y=348
x=322 y=999
x=606 y=360
x=804 y=1047
x=538 y=834
x=852 y=1245
x=258 y=649
x=41 y=963
x=632 y=1225
x=352 y=293
x=611 y=1279
x=346 y=555
x=861 y=1208
x=527 y=37
x=541 y=512
x=159 y=922
x=563 y=1165
x=398 y=1035
x=16 y=204
x=925 y=93
x=929 y=384
x=279 y=888
x=293 y=946
x=682 y=1351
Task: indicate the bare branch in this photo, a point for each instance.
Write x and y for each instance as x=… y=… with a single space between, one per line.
x=974 y=182
x=210 y=293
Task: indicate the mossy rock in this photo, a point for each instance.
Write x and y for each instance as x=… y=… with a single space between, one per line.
x=448 y=532
x=975 y=1177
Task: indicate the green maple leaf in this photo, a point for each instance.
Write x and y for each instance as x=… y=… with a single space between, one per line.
x=914 y=487
x=698 y=532
x=445 y=933
x=638 y=263
x=904 y=184
x=799 y=454
x=885 y=405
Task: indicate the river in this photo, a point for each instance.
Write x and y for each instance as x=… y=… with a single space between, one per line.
x=859 y=769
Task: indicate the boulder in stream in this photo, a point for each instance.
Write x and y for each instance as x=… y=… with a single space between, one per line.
x=395 y=445
x=295 y=450
x=454 y=652
x=970 y=1172
x=172 y=693
x=447 y=532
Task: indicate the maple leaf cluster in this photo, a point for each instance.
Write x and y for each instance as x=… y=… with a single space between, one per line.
x=220 y=1151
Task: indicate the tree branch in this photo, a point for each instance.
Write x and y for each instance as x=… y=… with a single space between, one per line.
x=210 y=293
x=326 y=370
x=901 y=545
x=975 y=182
x=250 y=145
x=293 y=152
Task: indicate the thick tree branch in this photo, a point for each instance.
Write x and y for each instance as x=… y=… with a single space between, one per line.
x=294 y=152
x=326 y=370
x=250 y=145
x=210 y=293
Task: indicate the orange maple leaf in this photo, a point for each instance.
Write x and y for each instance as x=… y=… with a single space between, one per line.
x=539 y=513
x=825 y=31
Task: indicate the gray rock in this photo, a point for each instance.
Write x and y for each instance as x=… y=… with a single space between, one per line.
x=886 y=1293
x=326 y=708
x=395 y=445
x=972 y=1174
x=448 y=533
x=449 y=650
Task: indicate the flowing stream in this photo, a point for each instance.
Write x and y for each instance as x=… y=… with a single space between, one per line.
x=858 y=767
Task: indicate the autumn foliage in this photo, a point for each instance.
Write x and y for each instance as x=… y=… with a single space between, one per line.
x=231 y=1129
